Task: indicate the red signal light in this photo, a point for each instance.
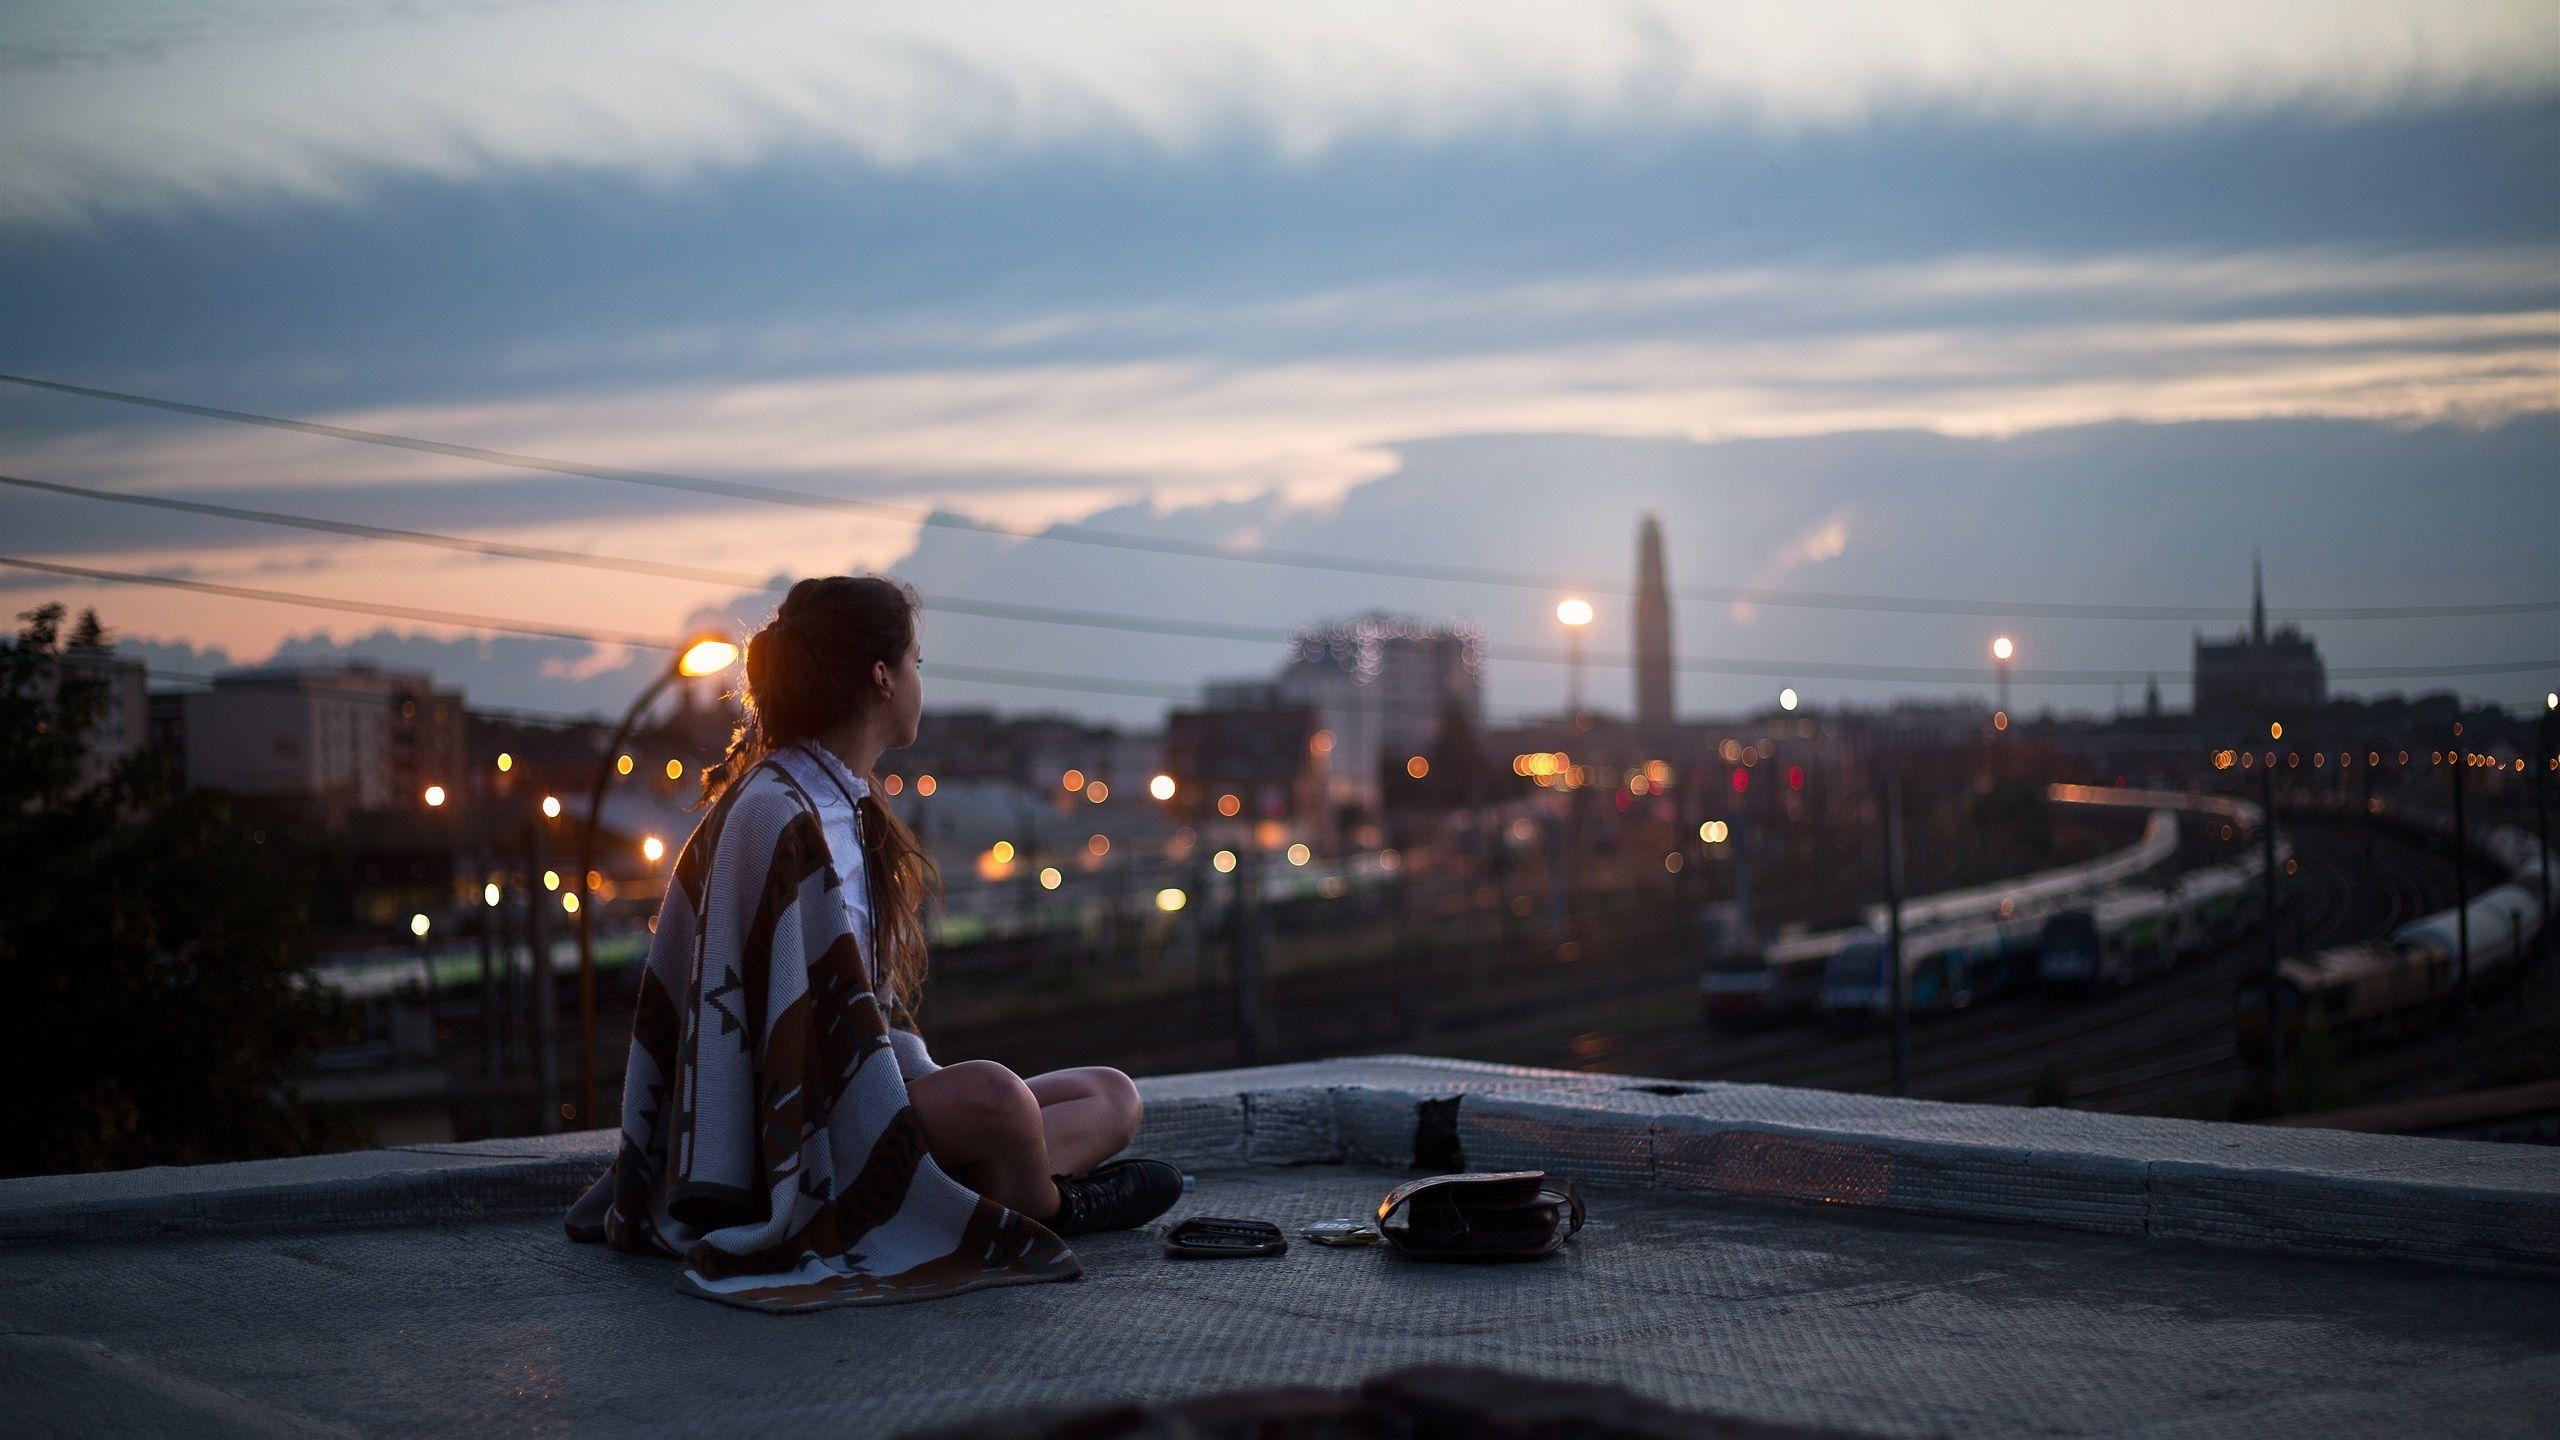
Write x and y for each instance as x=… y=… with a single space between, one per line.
x=1741 y=781
x=1795 y=777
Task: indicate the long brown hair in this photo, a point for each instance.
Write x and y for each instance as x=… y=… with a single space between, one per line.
x=808 y=674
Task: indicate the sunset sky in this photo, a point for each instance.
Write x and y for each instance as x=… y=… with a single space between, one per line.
x=1977 y=301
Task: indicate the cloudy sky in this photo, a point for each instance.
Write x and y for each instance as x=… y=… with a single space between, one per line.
x=2049 y=307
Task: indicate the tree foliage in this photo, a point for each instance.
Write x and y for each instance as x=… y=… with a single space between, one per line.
x=154 y=941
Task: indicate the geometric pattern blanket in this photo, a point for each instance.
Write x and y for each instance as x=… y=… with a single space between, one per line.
x=766 y=1137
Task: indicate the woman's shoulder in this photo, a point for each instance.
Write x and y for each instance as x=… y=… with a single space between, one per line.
x=766 y=797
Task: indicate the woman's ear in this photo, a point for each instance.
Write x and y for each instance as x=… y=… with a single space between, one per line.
x=880 y=678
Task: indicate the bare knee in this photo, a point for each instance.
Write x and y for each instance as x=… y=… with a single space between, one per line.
x=980 y=1103
x=1120 y=1093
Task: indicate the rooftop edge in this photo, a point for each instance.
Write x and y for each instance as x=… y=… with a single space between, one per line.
x=2332 y=1194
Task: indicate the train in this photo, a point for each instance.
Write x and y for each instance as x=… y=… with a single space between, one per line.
x=1973 y=944
x=2132 y=933
x=2370 y=992
x=1785 y=980
x=1945 y=968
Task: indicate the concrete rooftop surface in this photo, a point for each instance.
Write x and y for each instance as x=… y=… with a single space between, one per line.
x=1839 y=1261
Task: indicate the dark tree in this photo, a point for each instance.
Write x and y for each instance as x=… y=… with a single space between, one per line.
x=153 y=942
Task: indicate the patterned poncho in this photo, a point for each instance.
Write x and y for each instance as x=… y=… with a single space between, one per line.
x=766 y=1135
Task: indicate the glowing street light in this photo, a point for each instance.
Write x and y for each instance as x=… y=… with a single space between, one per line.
x=1161 y=787
x=1171 y=899
x=707 y=656
x=1574 y=614
x=2003 y=649
x=434 y=796
x=489 y=894
x=418 y=926
x=703 y=655
x=653 y=849
x=1787 y=698
x=550 y=807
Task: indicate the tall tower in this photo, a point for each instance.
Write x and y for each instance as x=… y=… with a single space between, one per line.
x=2257 y=603
x=1653 y=629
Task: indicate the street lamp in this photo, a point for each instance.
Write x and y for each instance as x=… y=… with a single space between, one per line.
x=1787 y=698
x=704 y=655
x=2003 y=649
x=1574 y=613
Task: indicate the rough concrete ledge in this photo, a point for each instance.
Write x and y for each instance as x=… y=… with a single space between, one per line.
x=2326 y=1193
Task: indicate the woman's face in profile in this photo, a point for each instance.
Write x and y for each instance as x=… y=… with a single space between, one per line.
x=906 y=695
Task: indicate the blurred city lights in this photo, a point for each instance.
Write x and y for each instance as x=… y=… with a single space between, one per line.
x=622 y=764
x=895 y=783
x=1073 y=780
x=1787 y=698
x=2275 y=729
x=925 y=785
x=569 y=903
x=1298 y=854
x=506 y=762
x=1574 y=611
x=1050 y=879
x=1170 y=899
x=1224 y=862
x=418 y=926
x=435 y=796
x=489 y=894
x=1097 y=792
x=1715 y=832
x=1228 y=805
x=1097 y=845
x=2003 y=648
x=653 y=849
x=675 y=769
x=1417 y=767
x=550 y=879
x=1321 y=742
x=1161 y=787
x=1002 y=850
x=1671 y=862
x=551 y=807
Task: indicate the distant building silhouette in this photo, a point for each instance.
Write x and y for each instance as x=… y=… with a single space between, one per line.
x=1378 y=686
x=1653 y=629
x=2257 y=673
x=341 y=739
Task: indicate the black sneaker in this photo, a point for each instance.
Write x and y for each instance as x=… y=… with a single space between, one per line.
x=1119 y=1196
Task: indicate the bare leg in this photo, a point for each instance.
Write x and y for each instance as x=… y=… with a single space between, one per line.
x=983 y=1124
x=1087 y=1115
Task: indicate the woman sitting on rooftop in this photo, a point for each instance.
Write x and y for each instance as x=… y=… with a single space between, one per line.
x=784 y=1128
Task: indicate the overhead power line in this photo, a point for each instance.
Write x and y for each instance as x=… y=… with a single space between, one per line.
x=1145 y=688
x=1004 y=610
x=1295 y=559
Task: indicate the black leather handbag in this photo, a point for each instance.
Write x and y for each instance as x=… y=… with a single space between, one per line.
x=1506 y=1215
